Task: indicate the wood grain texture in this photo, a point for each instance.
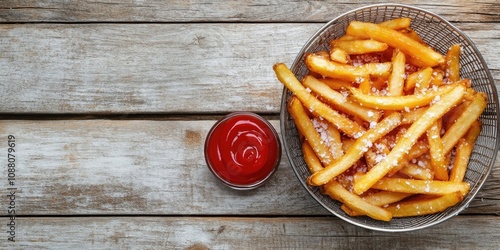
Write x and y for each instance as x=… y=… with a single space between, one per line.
x=139 y=181
x=160 y=68
x=142 y=167
x=134 y=167
x=461 y=232
x=222 y=11
x=142 y=68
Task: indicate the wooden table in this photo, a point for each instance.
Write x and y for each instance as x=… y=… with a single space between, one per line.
x=110 y=102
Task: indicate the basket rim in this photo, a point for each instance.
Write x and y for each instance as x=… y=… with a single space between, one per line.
x=283 y=110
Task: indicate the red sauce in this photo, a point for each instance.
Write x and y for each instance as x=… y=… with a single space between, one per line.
x=242 y=150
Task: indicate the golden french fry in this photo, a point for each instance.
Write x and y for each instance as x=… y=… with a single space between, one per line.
x=318 y=108
x=328 y=68
x=437 y=78
x=358 y=47
x=383 y=198
x=399 y=102
x=411 y=81
x=452 y=63
x=340 y=101
x=349 y=211
x=347 y=143
x=378 y=83
x=376 y=153
x=436 y=149
x=306 y=128
x=379 y=199
x=365 y=85
x=340 y=56
x=354 y=202
x=417 y=150
x=469 y=95
x=406 y=142
x=397 y=23
x=466 y=82
x=412 y=115
x=451 y=117
x=425 y=161
x=424 y=80
x=463 y=123
x=336 y=147
x=416 y=172
x=463 y=153
x=425 y=206
x=310 y=157
x=395 y=84
x=419 y=80
x=409 y=32
x=357 y=150
x=330 y=136
x=404 y=185
x=410 y=60
x=336 y=84
x=420 y=52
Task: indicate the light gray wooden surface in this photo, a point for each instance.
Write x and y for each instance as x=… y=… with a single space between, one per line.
x=225 y=11
x=117 y=167
x=248 y=233
x=110 y=103
x=146 y=68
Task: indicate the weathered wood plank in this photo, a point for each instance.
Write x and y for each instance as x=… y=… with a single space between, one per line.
x=144 y=68
x=159 y=68
x=221 y=11
x=461 y=232
x=133 y=167
x=140 y=167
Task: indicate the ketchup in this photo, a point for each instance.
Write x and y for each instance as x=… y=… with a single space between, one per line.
x=242 y=150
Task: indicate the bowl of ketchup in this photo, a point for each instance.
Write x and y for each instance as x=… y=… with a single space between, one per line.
x=242 y=150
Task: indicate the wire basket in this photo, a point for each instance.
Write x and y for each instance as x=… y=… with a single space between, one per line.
x=440 y=35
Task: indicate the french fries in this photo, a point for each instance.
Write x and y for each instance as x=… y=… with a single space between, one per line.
x=425 y=206
x=438 y=159
x=463 y=123
x=397 y=77
x=354 y=202
x=403 y=185
x=395 y=39
x=416 y=172
x=463 y=152
x=406 y=142
x=357 y=47
x=339 y=101
x=306 y=128
x=358 y=149
x=339 y=55
x=314 y=105
x=380 y=116
x=398 y=102
x=325 y=67
x=452 y=67
x=311 y=159
x=419 y=81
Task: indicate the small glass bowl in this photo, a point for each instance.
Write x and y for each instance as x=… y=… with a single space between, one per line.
x=232 y=150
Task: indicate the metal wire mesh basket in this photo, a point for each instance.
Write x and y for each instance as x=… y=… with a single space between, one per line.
x=440 y=35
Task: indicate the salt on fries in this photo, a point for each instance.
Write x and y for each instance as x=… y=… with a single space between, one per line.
x=388 y=126
x=393 y=38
